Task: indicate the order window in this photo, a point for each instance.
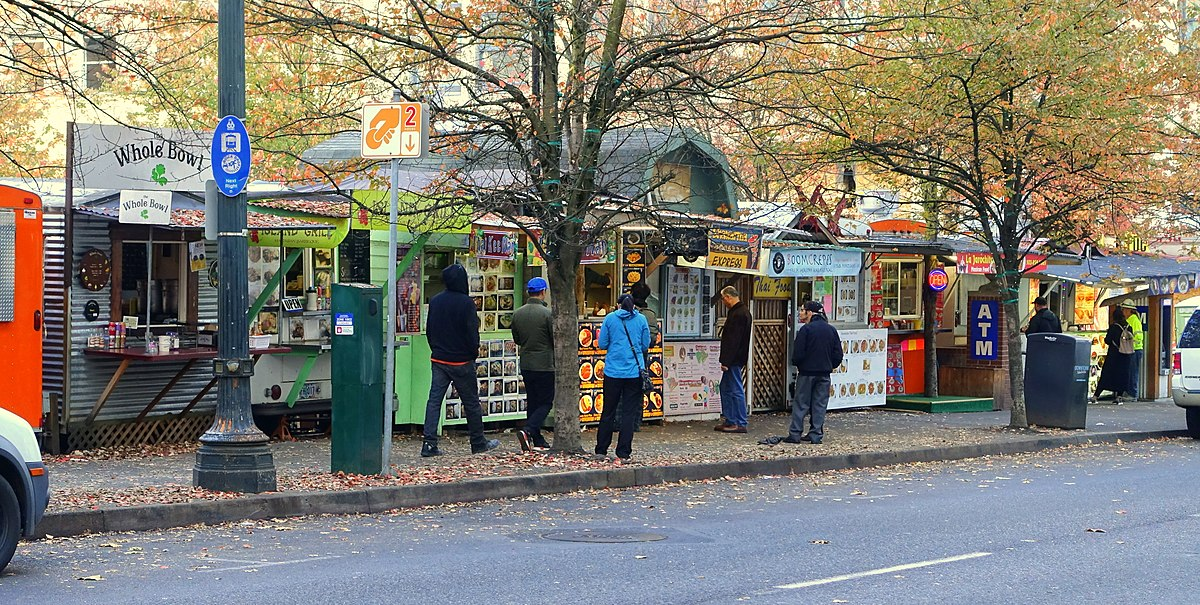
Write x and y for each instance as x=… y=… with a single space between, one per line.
x=901 y=287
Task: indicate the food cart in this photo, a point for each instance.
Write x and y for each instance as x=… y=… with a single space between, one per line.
x=21 y=312
x=127 y=357
x=290 y=274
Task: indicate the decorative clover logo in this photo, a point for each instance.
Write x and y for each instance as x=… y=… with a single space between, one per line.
x=159 y=174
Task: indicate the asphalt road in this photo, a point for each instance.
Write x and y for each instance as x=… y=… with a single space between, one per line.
x=1108 y=524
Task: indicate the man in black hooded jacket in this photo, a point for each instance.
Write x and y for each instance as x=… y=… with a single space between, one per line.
x=453 y=331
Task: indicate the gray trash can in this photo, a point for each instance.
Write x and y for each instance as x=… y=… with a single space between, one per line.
x=1056 y=380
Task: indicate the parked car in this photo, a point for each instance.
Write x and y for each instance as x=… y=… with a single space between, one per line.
x=24 y=483
x=1186 y=389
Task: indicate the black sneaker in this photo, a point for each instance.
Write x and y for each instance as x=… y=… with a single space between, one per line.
x=487 y=446
x=523 y=439
x=790 y=439
x=430 y=449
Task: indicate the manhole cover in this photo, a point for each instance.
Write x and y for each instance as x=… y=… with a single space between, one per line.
x=603 y=536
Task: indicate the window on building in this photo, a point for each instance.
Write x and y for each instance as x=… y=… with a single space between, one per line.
x=101 y=59
x=901 y=287
x=154 y=279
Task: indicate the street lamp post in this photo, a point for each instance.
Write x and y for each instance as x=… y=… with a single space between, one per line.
x=233 y=454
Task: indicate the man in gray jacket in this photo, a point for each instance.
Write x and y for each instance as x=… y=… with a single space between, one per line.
x=533 y=331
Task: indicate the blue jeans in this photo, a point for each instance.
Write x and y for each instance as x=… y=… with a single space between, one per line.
x=463 y=378
x=812 y=400
x=733 y=396
x=1135 y=372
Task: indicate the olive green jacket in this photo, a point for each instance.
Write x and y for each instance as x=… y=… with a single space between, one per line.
x=533 y=331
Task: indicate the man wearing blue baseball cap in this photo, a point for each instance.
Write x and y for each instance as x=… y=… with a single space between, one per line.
x=533 y=331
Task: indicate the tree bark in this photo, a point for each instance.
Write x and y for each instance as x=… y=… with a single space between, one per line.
x=563 y=303
x=1016 y=367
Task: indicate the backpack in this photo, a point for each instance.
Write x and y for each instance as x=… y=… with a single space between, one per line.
x=1126 y=345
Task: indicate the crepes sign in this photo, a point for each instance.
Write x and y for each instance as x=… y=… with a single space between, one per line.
x=813 y=263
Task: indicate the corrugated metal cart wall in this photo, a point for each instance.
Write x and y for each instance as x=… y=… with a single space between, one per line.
x=88 y=376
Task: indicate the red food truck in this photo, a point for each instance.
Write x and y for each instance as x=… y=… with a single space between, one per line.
x=21 y=303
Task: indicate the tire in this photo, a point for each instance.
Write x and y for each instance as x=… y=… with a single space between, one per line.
x=1193 y=422
x=10 y=522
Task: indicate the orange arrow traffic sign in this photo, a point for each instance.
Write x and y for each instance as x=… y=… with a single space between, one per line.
x=394 y=130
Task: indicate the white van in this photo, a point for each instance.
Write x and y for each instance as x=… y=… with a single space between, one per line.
x=24 y=483
x=1186 y=389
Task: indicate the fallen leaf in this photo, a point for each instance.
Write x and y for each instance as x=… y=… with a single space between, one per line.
x=1095 y=530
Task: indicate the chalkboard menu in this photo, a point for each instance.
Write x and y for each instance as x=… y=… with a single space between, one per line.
x=354 y=256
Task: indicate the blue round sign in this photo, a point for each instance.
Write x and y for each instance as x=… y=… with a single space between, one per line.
x=230 y=156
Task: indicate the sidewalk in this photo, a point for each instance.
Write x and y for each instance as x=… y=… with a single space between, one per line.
x=150 y=488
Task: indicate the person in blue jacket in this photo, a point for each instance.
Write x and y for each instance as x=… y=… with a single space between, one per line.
x=625 y=336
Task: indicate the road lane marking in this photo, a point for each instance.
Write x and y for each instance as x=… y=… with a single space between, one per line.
x=885 y=570
x=256 y=564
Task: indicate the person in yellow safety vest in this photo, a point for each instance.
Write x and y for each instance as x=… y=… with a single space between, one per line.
x=1139 y=343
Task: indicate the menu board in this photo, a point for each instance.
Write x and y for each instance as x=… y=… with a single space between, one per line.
x=685 y=299
x=846 y=309
x=861 y=380
x=262 y=265
x=693 y=383
x=408 y=294
x=354 y=255
x=492 y=284
x=501 y=388
x=633 y=258
x=591 y=377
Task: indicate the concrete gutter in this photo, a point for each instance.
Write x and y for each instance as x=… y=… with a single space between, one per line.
x=381 y=499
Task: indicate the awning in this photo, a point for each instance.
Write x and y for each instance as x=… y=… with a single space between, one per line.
x=194 y=219
x=1163 y=274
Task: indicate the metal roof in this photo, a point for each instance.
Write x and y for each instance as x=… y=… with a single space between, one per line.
x=626 y=157
x=187 y=218
x=1122 y=268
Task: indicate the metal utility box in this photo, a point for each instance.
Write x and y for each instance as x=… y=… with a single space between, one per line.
x=21 y=264
x=1056 y=380
x=358 y=423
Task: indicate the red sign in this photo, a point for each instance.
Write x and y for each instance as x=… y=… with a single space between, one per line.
x=495 y=244
x=937 y=280
x=980 y=263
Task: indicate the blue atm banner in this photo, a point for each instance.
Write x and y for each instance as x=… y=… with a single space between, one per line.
x=983 y=329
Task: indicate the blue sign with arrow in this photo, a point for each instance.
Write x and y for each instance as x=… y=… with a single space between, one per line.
x=231 y=156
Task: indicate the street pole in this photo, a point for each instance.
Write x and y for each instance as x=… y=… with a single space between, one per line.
x=389 y=358
x=233 y=454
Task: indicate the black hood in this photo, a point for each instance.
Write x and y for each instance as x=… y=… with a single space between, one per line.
x=455 y=278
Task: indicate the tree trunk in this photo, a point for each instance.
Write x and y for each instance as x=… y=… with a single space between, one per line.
x=929 y=329
x=563 y=303
x=1016 y=368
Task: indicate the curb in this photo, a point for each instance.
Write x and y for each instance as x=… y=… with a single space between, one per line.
x=380 y=499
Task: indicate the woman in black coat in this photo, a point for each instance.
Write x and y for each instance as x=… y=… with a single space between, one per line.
x=1114 y=376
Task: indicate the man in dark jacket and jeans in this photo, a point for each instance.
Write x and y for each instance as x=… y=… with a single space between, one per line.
x=816 y=352
x=735 y=353
x=453 y=331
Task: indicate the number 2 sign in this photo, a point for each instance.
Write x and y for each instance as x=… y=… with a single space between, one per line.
x=394 y=130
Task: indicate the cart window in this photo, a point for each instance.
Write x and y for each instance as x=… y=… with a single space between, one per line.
x=901 y=287
x=163 y=296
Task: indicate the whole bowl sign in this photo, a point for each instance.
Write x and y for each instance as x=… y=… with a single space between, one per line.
x=937 y=280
